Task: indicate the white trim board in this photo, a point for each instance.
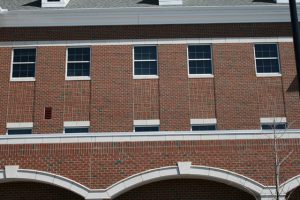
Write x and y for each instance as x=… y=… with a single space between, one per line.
x=76 y=123
x=273 y=120
x=145 y=42
x=20 y=125
x=203 y=121
x=147 y=137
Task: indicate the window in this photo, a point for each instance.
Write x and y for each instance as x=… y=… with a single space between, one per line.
x=76 y=129
x=145 y=60
x=19 y=131
x=146 y=128
x=204 y=127
x=23 y=63
x=279 y=126
x=199 y=59
x=78 y=62
x=266 y=57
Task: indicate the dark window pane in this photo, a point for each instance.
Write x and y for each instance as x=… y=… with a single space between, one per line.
x=200 y=67
x=266 y=50
x=19 y=131
x=199 y=52
x=23 y=70
x=76 y=130
x=145 y=68
x=204 y=128
x=79 y=54
x=267 y=65
x=24 y=55
x=78 y=69
x=146 y=128
x=271 y=126
x=145 y=53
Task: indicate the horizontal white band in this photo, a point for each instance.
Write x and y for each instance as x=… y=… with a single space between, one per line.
x=273 y=120
x=146 y=137
x=76 y=123
x=203 y=121
x=20 y=125
x=146 y=42
x=152 y=122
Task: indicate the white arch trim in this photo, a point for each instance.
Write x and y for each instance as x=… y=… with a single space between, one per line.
x=290 y=184
x=13 y=173
x=182 y=170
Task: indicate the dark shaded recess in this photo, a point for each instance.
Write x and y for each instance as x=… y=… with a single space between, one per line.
x=264 y=1
x=150 y=2
x=294 y=85
x=146 y=32
x=36 y=3
x=186 y=189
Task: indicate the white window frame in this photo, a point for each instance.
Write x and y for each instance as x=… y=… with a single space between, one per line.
x=76 y=124
x=19 y=126
x=25 y=79
x=203 y=122
x=267 y=58
x=78 y=78
x=272 y=121
x=211 y=59
x=145 y=76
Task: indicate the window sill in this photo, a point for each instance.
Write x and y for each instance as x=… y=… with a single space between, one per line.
x=28 y=79
x=145 y=77
x=268 y=75
x=201 y=76
x=78 y=78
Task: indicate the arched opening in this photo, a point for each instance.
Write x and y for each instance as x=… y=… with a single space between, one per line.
x=186 y=189
x=294 y=194
x=35 y=191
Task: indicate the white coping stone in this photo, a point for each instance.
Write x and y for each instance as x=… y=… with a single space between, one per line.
x=291 y=185
x=150 y=175
x=170 y=2
x=204 y=121
x=273 y=119
x=133 y=181
x=20 y=125
x=97 y=195
x=218 y=174
x=153 y=122
x=62 y=183
x=44 y=177
x=11 y=171
x=184 y=167
x=199 y=170
x=168 y=172
x=27 y=175
x=1 y=175
x=76 y=123
x=116 y=189
x=79 y=190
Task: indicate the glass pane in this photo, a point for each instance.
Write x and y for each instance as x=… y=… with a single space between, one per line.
x=266 y=50
x=78 y=69
x=145 y=53
x=271 y=126
x=76 y=130
x=146 y=129
x=204 y=128
x=19 y=131
x=79 y=54
x=267 y=65
x=24 y=55
x=200 y=67
x=145 y=68
x=199 y=52
x=23 y=70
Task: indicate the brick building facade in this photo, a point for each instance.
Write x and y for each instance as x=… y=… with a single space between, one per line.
x=160 y=110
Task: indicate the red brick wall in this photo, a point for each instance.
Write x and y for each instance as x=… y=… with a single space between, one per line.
x=235 y=79
x=5 y=64
x=173 y=88
x=99 y=165
x=146 y=99
x=186 y=189
x=34 y=191
x=49 y=89
x=111 y=89
x=113 y=99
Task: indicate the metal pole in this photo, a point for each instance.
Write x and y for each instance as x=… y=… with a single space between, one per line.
x=296 y=36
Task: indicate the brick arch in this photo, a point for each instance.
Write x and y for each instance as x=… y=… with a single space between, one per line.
x=186 y=170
